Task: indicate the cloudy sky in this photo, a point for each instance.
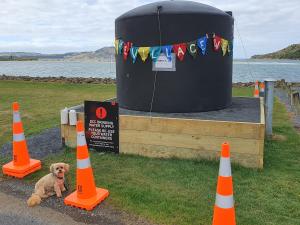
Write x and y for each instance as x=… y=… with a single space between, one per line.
x=57 y=26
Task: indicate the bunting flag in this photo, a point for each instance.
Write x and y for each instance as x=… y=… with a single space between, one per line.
x=179 y=50
x=144 y=52
x=224 y=46
x=117 y=46
x=202 y=42
x=126 y=48
x=154 y=53
x=167 y=49
x=217 y=42
x=121 y=43
x=133 y=53
x=192 y=48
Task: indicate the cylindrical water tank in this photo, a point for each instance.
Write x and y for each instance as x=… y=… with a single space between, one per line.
x=200 y=84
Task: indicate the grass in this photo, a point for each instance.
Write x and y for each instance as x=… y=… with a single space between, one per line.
x=182 y=192
x=40 y=103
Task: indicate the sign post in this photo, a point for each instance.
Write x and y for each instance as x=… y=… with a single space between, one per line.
x=102 y=125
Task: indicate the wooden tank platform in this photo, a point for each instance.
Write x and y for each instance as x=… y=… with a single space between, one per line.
x=192 y=135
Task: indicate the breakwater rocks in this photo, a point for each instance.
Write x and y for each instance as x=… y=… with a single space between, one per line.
x=107 y=80
x=279 y=84
x=61 y=79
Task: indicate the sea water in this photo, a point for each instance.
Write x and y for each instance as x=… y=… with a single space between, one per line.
x=243 y=70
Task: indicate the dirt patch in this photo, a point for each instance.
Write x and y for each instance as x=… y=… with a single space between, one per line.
x=278 y=137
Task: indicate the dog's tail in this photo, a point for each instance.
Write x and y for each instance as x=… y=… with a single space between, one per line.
x=34 y=200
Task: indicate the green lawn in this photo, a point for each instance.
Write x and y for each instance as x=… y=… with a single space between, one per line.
x=182 y=192
x=40 y=103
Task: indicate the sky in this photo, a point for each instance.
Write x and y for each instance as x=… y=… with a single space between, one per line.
x=58 y=26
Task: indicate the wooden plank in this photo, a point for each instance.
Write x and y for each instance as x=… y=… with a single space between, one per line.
x=194 y=141
x=191 y=126
x=157 y=151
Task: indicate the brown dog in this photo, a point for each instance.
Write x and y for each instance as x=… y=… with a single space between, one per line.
x=51 y=184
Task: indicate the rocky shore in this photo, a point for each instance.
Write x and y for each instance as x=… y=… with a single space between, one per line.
x=107 y=80
x=61 y=79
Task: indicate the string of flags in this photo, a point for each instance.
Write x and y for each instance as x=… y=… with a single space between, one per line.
x=194 y=48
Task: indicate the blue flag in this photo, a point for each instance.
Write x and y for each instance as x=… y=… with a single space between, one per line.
x=133 y=53
x=121 y=43
x=155 y=52
x=167 y=51
x=201 y=42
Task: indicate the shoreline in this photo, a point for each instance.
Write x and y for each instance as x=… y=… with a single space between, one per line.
x=61 y=79
x=109 y=80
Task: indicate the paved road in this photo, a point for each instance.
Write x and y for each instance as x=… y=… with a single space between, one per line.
x=14 y=211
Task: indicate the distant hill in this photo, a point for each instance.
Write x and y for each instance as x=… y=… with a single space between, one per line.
x=105 y=54
x=290 y=52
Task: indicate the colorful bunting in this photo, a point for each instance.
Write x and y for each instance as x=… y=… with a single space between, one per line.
x=117 y=46
x=144 y=52
x=167 y=49
x=179 y=50
x=202 y=42
x=133 y=53
x=224 y=46
x=121 y=43
x=217 y=42
x=192 y=48
x=126 y=49
x=154 y=53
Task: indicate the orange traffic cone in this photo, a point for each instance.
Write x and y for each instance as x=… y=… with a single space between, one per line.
x=256 y=90
x=87 y=195
x=262 y=89
x=21 y=165
x=224 y=213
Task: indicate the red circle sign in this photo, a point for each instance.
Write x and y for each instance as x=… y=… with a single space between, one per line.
x=101 y=113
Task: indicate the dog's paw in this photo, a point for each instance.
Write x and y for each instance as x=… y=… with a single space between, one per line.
x=63 y=189
x=59 y=195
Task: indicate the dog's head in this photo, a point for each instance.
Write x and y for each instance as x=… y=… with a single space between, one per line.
x=59 y=169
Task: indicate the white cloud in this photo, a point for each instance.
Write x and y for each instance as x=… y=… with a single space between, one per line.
x=81 y=25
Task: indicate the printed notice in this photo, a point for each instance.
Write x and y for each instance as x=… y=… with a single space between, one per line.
x=102 y=125
x=163 y=63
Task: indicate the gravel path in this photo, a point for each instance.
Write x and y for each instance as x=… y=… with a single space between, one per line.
x=41 y=145
x=14 y=211
x=284 y=98
x=104 y=214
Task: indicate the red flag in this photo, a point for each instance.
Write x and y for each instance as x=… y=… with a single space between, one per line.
x=126 y=48
x=217 y=42
x=179 y=50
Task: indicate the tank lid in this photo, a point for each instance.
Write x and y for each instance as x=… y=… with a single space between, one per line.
x=172 y=7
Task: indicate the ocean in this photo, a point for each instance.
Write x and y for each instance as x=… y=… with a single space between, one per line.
x=243 y=70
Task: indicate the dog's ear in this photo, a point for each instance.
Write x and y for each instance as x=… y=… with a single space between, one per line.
x=52 y=168
x=67 y=167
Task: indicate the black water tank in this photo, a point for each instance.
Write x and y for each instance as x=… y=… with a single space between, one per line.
x=200 y=84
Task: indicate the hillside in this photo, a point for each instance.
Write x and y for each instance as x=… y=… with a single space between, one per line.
x=105 y=54
x=290 y=52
